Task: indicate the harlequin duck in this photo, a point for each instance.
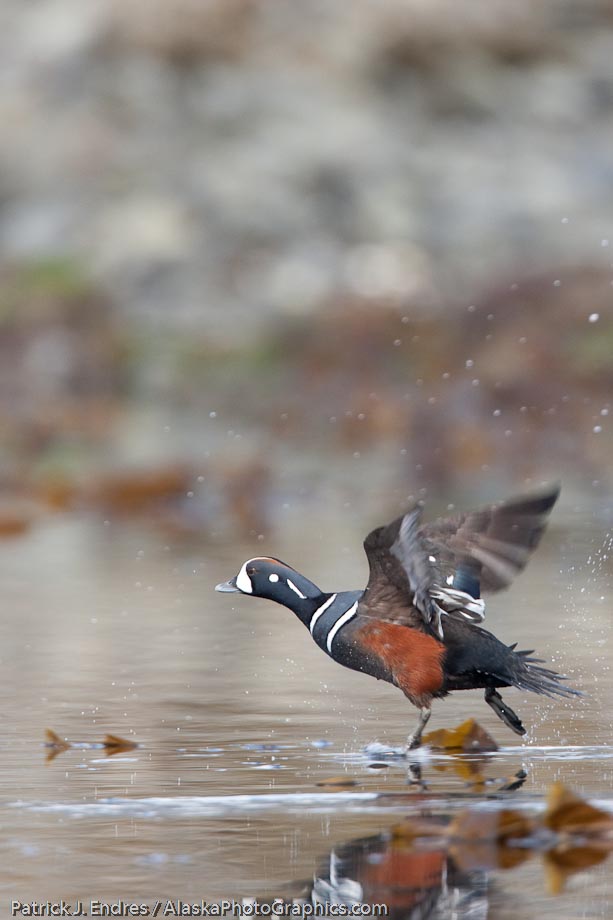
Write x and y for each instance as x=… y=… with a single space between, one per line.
x=416 y=623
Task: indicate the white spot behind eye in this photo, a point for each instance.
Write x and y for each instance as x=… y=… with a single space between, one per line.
x=273 y=577
x=449 y=579
x=243 y=582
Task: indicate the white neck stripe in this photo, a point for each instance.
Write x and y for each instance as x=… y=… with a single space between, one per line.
x=319 y=612
x=296 y=590
x=339 y=625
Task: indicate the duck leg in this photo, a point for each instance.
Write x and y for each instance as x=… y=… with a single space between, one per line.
x=504 y=712
x=414 y=739
x=414 y=777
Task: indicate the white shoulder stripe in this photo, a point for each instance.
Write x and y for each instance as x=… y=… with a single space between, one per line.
x=339 y=625
x=319 y=612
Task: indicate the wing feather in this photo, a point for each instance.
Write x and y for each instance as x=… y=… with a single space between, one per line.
x=420 y=572
x=498 y=539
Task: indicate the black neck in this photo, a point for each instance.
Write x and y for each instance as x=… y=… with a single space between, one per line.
x=297 y=593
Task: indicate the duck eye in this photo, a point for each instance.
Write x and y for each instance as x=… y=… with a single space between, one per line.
x=251 y=570
x=273 y=577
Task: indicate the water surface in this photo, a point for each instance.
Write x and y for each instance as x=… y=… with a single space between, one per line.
x=239 y=716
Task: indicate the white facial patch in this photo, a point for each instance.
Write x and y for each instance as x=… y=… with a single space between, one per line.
x=273 y=577
x=296 y=590
x=243 y=582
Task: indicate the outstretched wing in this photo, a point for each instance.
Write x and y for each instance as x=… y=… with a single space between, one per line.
x=403 y=576
x=442 y=567
x=492 y=544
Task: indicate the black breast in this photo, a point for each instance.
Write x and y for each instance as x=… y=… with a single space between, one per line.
x=331 y=617
x=336 y=626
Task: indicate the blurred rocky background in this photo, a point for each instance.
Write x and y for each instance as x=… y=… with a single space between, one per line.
x=257 y=253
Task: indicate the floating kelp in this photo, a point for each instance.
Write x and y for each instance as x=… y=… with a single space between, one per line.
x=111 y=744
x=469 y=737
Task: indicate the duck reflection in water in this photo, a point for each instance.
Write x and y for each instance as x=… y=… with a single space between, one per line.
x=439 y=866
x=412 y=883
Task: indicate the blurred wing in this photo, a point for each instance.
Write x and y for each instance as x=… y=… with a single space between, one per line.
x=441 y=568
x=486 y=549
x=403 y=579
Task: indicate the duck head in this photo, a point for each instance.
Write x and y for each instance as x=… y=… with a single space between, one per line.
x=274 y=580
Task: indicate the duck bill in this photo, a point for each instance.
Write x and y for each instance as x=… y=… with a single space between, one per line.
x=228 y=587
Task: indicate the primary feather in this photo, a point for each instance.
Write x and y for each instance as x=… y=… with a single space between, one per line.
x=440 y=569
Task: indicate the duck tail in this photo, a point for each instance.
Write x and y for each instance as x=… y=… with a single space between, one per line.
x=528 y=674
